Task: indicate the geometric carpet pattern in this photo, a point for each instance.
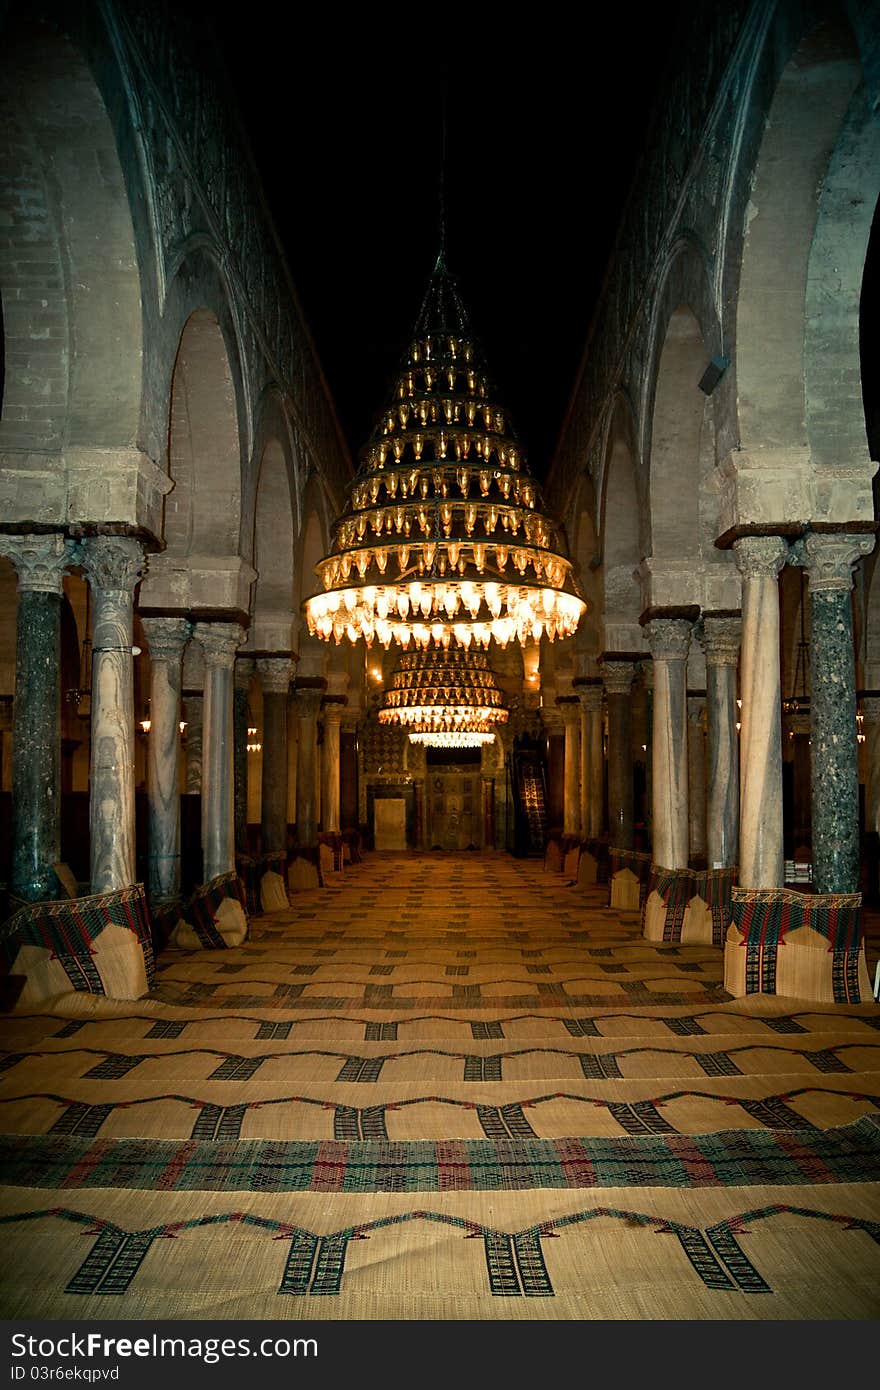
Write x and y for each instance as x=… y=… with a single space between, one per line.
x=444 y=1086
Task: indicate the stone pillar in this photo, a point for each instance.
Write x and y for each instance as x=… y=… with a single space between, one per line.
x=760 y=558
x=488 y=786
x=40 y=563
x=330 y=765
x=829 y=561
x=669 y=640
x=569 y=706
x=167 y=638
x=307 y=702
x=590 y=696
x=244 y=670
x=721 y=639
x=275 y=674
x=219 y=641
x=194 y=703
x=113 y=565
x=648 y=683
x=696 y=715
x=871 y=713
x=617 y=677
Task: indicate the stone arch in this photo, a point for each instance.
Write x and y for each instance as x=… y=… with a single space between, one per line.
x=806 y=235
x=202 y=514
x=313 y=540
x=585 y=560
x=69 y=273
x=620 y=531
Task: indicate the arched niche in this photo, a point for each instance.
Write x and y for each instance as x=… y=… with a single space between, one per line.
x=202 y=513
x=808 y=221
x=69 y=274
x=620 y=542
x=273 y=543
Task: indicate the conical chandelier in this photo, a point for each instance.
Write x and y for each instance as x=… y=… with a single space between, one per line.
x=445 y=698
x=444 y=539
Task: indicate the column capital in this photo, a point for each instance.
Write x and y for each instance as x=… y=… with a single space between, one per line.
x=307 y=702
x=570 y=709
x=721 y=638
x=669 y=638
x=333 y=708
x=590 y=697
x=219 y=642
x=40 y=561
x=829 y=559
x=244 y=672
x=760 y=557
x=617 y=676
x=870 y=707
x=166 y=637
x=276 y=673
x=113 y=562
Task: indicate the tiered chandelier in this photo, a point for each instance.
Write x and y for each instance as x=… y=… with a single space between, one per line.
x=445 y=699
x=444 y=538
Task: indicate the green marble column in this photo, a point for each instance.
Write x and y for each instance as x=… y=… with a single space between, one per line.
x=40 y=562
x=828 y=560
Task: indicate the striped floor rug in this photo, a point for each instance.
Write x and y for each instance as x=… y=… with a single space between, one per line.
x=443 y=1087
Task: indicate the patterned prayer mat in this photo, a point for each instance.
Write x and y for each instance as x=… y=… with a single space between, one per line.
x=444 y=1086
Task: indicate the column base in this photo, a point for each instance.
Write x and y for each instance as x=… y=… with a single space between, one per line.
x=796 y=945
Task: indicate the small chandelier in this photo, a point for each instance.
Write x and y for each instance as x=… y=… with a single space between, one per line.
x=444 y=538
x=445 y=699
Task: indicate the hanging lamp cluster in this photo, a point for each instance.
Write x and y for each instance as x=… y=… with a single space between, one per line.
x=444 y=539
x=445 y=698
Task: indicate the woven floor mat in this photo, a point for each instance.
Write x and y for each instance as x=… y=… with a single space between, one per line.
x=441 y=1087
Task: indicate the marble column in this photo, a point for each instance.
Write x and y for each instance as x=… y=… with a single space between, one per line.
x=669 y=640
x=244 y=670
x=330 y=766
x=194 y=704
x=829 y=561
x=166 y=638
x=871 y=713
x=219 y=642
x=617 y=677
x=569 y=706
x=721 y=641
x=760 y=558
x=276 y=673
x=696 y=716
x=307 y=702
x=40 y=563
x=590 y=696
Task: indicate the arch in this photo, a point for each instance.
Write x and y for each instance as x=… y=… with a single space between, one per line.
x=807 y=225
x=68 y=270
x=203 y=513
x=312 y=541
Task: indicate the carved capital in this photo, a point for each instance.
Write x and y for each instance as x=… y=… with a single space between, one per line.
x=669 y=638
x=590 y=697
x=306 y=703
x=166 y=637
x=829 y=559
x=570 y=709
x=276 y=673
x=40 y=561
x=113 y=563
x=244 y=672
x=219 y=642
x=870 y=708
x=760 y=557
x=617 y=676
x=721 y=640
